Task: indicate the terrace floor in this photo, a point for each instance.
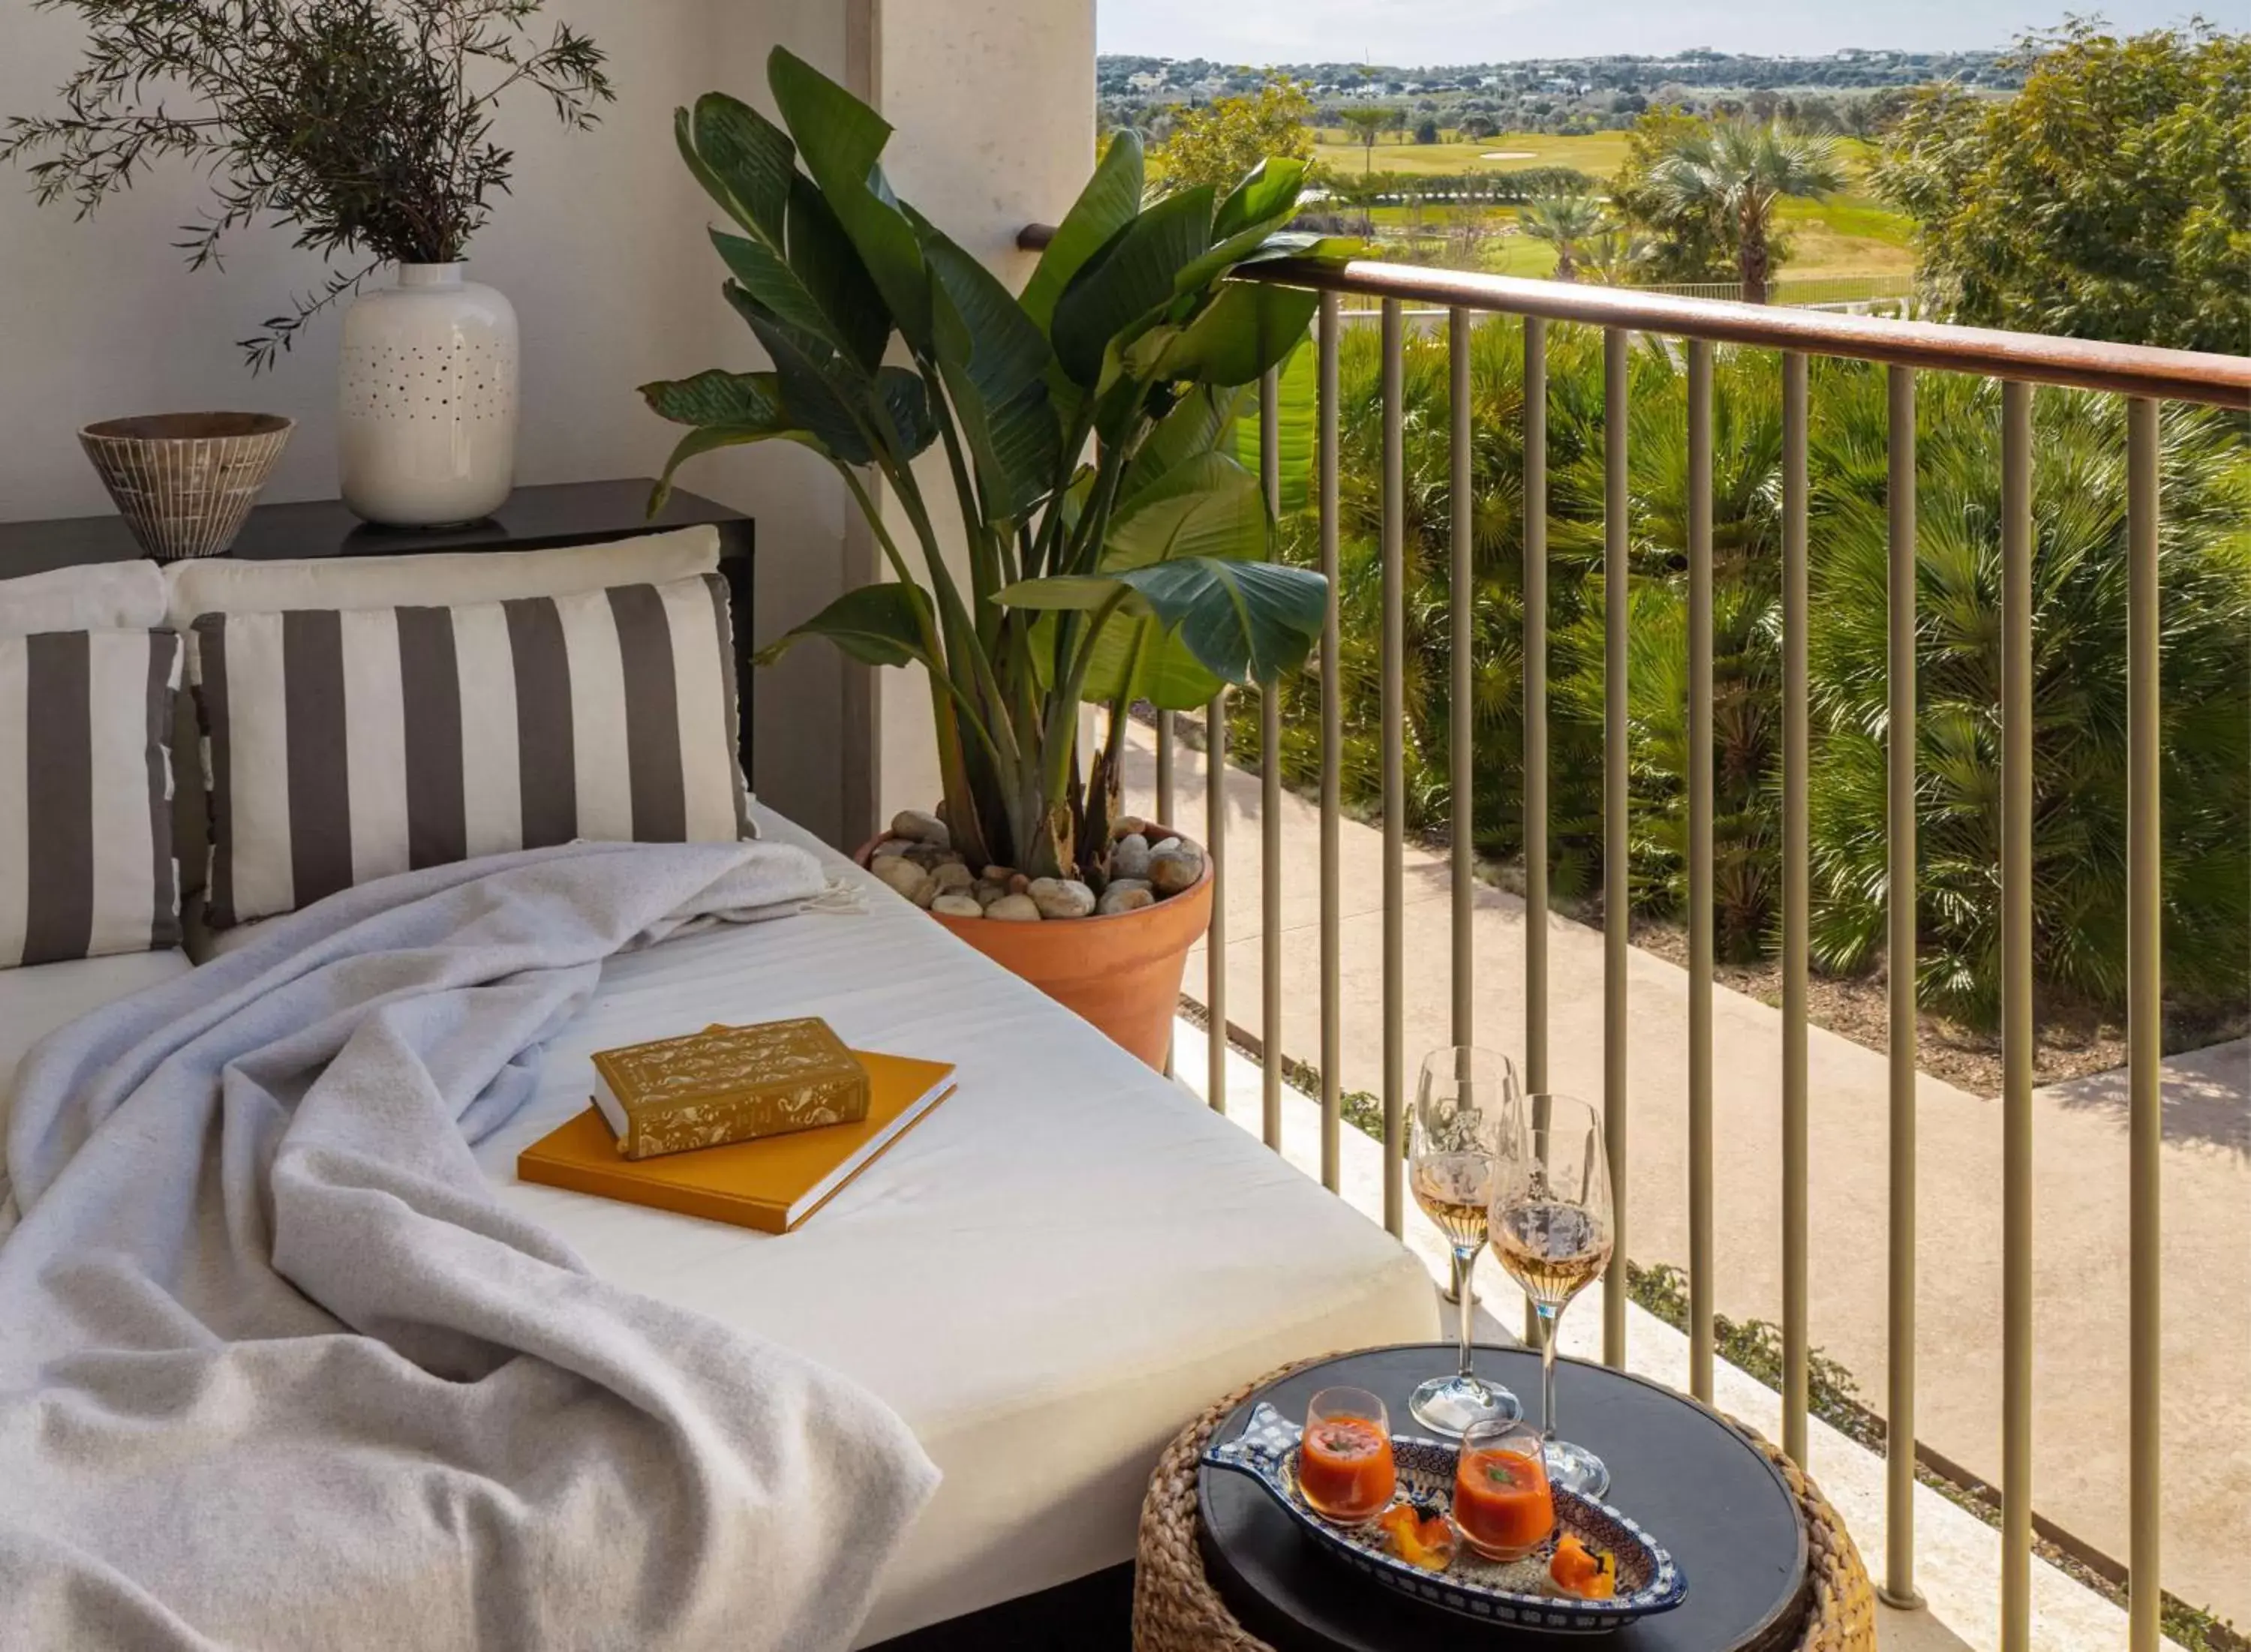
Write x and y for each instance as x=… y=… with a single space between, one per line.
x=2080 y=1366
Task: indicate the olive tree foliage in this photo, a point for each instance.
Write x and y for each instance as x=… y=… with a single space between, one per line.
x=2111 y=199
x=1222 y=142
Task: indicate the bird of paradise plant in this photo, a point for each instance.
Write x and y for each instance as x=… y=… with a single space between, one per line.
x=1116 y=550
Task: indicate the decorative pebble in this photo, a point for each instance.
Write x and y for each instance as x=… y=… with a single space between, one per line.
x=1127 y=826
x=1161 y=836
x=1014 y=909
x=957 y=906
x=988 y=893
x=907 y=878
x=1062 y=898
x=952 y=877
x=887 y=847
x=1018 y=883
x=1142 y=884
x=1129 y=857
x=1130 y=898
x=999 y=875
x=922 y=828
x=1176 y=869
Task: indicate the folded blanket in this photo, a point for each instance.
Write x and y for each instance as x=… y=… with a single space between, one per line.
x=276 y=1370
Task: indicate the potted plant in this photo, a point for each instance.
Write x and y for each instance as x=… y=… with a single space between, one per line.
x=1112 y=549
x=366 y=127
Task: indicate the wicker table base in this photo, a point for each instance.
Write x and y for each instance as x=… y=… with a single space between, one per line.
x=1176 y=1608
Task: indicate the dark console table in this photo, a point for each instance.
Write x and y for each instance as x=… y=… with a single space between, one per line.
x=533 y=519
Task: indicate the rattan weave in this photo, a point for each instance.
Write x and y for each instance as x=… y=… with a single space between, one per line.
x=1176 y=1609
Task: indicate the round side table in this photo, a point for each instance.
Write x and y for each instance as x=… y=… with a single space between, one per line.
x=1699 y=1485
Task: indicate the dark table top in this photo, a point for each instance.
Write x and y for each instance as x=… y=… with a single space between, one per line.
x=559 y=513
x=1686 y=1477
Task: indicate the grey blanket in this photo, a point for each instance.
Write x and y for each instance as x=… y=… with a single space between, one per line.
x=276 y=1370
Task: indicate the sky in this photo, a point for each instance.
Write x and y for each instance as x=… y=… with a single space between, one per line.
x=1416 y=32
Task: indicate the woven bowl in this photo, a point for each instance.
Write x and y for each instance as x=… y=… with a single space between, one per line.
x=185 y=481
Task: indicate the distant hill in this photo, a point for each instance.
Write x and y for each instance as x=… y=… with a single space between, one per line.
x=1183 y=78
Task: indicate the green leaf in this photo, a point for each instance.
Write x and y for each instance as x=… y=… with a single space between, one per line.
x=1248 y=328
x=882 y=625
x=1194 y=426
x=1109 y=203
x=906 y=399
x=1111 y=297
x=840 y=139
x=1244 y=621
x=994 y=360
x=1297 y=397
x=717 y=397
x=1268 y=195
x=821 y=397
x=825 y=259
x=711 y=439
x=765 y=276
x=744 y=161
x=1163 y=672
x=1207 y=506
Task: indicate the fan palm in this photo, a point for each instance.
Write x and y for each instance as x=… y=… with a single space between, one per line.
x=1737 y=171
x=1568 y=222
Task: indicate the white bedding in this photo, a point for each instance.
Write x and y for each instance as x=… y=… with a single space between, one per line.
x=1047 y=1279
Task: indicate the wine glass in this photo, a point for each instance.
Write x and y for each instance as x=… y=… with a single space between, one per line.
x=1464 y=1103
x=1552 y=1230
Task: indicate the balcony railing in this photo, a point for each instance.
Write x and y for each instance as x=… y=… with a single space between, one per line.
x=2021 y=362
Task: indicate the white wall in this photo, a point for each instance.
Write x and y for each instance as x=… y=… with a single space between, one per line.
x=600 y=247
x=994 y=101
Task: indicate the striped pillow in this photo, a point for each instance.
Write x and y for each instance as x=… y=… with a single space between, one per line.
x=86 y=794
x=347 y=745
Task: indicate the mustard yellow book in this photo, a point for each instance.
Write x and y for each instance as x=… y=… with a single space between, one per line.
x=773 y=1184
x=728 y=1084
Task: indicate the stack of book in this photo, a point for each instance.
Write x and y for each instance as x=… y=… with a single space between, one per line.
x=759 y=1126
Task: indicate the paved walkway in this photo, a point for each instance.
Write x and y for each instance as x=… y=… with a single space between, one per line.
x=2081 y=1247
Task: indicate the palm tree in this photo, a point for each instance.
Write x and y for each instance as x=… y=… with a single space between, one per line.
x=1568 y=222
x=1737 y=170
x=1617 y=255
x=1367 y=125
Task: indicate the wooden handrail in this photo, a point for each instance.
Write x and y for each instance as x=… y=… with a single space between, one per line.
x=2036 y=358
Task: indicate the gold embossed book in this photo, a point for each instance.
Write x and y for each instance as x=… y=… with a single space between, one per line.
x=728 y=1084
x=773 y=1184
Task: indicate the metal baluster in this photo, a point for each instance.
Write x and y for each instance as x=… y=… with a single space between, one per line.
x=2144 y=1013
x=1165 y=818
x=1535 y=705
x=2017 y=1025
x=1270 y=805
x=1332 y=744
x=1615 y=912
x=1394 y=765
x=1534 y=582
x=1898 y=1587
x=1214 y=944
x=1700 y=1229
x=1796 y=906
x=1461 y=629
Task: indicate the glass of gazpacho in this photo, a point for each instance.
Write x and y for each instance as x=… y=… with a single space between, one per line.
x=1503 y=1507
x=1344 y=1462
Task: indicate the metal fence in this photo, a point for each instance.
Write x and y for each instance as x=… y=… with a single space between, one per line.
x=1904 y=349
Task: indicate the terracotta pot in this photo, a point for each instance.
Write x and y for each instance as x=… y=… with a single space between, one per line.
x=1122 y=973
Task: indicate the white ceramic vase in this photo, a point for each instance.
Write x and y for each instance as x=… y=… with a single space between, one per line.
x=427 y=432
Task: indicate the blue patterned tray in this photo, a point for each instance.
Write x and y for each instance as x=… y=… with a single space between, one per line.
x=1649 y=1581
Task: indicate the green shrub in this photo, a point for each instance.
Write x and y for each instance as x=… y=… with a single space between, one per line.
x=2079 y=505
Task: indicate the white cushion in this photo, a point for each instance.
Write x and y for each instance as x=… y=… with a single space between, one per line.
x=106 y=596
x=35 y=1001
x=441 y=579
x=1047 y=1278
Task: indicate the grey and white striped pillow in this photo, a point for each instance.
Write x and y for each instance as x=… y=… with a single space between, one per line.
x=86 y=794
x=346 y=745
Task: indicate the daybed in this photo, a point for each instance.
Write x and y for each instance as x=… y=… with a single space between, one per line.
x=1064 y=1261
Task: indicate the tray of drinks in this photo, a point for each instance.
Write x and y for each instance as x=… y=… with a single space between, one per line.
x=1474 y=1526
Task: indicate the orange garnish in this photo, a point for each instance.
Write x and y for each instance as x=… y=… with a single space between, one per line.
x=1425 y=1543
x=1590 y=1574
